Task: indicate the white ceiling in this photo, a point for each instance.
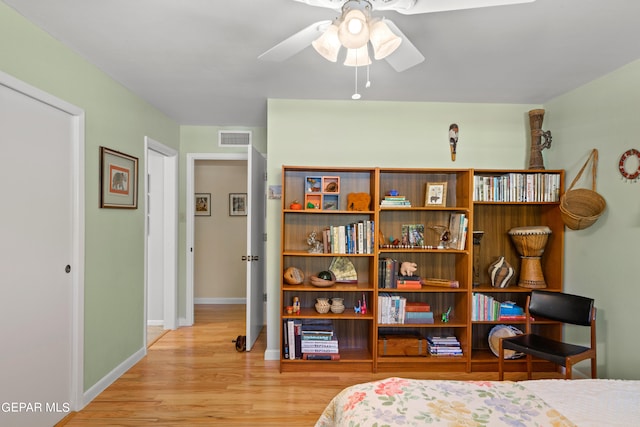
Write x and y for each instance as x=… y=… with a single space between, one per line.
x=196 y=60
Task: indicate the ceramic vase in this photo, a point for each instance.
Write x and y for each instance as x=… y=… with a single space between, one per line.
x=501 y=273
x=322 y=305
x=337 y=305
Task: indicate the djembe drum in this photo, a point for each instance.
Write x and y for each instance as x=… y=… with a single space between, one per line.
x=530 y=243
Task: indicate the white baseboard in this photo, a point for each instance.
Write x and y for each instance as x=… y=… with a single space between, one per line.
x=271 y=354
x=112 y=376
x=155 y=322
x=219 y=300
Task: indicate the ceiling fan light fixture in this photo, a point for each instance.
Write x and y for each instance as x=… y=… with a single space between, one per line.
x=353 y=32
x=357 y=57
x=328 y=44
x=383 y=40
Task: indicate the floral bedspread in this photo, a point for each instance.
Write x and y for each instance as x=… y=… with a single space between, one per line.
x=403 y=402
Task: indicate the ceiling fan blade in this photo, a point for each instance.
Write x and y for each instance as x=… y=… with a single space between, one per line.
x=329 y=4
x=296 y=43
x=406 y=55
x=428 y=6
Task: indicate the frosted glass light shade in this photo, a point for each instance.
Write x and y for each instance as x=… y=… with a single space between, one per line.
x=353 y=32
x=383 y=40
x=328 y=45
x=357 y=57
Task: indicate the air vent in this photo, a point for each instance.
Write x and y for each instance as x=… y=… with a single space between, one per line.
x=234 y=138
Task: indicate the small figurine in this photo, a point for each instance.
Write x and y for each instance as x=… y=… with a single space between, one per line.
x=315 y=246
x=408 y=268
x=357 y=308
x=296 y=305
x=445 y=315
x=363 y=308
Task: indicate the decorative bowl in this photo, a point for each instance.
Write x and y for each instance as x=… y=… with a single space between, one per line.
x=321 y=283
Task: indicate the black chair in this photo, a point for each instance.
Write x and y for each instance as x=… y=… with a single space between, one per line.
x=561 y=307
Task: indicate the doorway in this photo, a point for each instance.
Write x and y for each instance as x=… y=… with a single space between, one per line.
x=251 y=263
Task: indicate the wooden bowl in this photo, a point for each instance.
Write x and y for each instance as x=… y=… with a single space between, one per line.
x=321 y=283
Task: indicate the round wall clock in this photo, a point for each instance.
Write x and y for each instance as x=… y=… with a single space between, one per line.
x=628 y=173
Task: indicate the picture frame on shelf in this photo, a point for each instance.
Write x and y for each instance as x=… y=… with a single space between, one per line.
x=237 y=204
x=436 y=194
x=202 y=205
x=118 y=180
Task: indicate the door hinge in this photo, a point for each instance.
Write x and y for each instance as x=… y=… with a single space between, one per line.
x=265 y=237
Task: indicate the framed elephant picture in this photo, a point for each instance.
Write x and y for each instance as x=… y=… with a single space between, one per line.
x=436 y=194
x=118 y=180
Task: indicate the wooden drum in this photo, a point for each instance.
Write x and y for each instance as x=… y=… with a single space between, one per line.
x=530 y=243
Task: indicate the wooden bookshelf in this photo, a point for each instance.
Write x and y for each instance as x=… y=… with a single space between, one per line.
x=358 y=333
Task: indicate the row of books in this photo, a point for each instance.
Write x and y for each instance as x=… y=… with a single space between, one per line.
x=458 y=229
x=444 y=346
x=486 y=307
x=517 y=187
x=315 y=341
x=355 y=238
x=395 y=309
x=395 y=202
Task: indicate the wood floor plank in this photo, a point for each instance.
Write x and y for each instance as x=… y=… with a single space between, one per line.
x=193 y=376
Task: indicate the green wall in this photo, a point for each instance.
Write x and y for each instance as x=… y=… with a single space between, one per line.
x=114 y=239
x=601 y=260
x=384 y=134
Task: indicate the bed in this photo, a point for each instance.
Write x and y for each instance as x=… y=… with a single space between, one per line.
x=558 y=403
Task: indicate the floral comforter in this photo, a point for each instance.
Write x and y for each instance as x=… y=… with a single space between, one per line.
x=403 y=402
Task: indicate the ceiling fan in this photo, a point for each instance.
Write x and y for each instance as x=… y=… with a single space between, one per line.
x=386 y=39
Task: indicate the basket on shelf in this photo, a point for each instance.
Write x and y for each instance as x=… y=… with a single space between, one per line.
x=581 y=208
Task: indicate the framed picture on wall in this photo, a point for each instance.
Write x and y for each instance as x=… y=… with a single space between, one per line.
x=202 y=205
x=237 y=204
x=436 y=194
x=118 y=180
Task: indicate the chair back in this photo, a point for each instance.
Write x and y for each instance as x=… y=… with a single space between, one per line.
x=561 y=307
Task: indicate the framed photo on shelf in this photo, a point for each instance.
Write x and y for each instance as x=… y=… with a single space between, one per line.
x=118 y=180
x=202 y=205
x=436 y=194
x=237 y=204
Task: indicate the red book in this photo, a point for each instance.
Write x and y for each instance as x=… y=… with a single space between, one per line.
x=409 y=284
x=417 y=306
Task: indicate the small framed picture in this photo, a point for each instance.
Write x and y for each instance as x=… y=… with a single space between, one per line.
x=202 y=205
x=118 y=180
x=436 y=194
x=237 y=204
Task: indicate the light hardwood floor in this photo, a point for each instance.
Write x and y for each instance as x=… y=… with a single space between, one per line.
x=193 y=376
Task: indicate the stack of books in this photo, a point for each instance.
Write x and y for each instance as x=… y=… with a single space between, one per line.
x=395 y=202
x=318 y=342
x=409 y=282
x=511 y=311
x=444 y=346
x=418 y=312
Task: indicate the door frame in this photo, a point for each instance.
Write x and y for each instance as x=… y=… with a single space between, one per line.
x=190 y=222
x=78 y=227
x=170 y=230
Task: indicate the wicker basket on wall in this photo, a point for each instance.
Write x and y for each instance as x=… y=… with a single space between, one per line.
x=580 y=208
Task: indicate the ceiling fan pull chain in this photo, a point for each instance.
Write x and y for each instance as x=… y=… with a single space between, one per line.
x=356 y=95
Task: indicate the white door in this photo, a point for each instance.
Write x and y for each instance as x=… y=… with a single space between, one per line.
x=155 y=238
x=161 y=207
x=36 y=243
x=256 y=169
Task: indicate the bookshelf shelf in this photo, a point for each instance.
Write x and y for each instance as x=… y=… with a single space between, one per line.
x=451 y=259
